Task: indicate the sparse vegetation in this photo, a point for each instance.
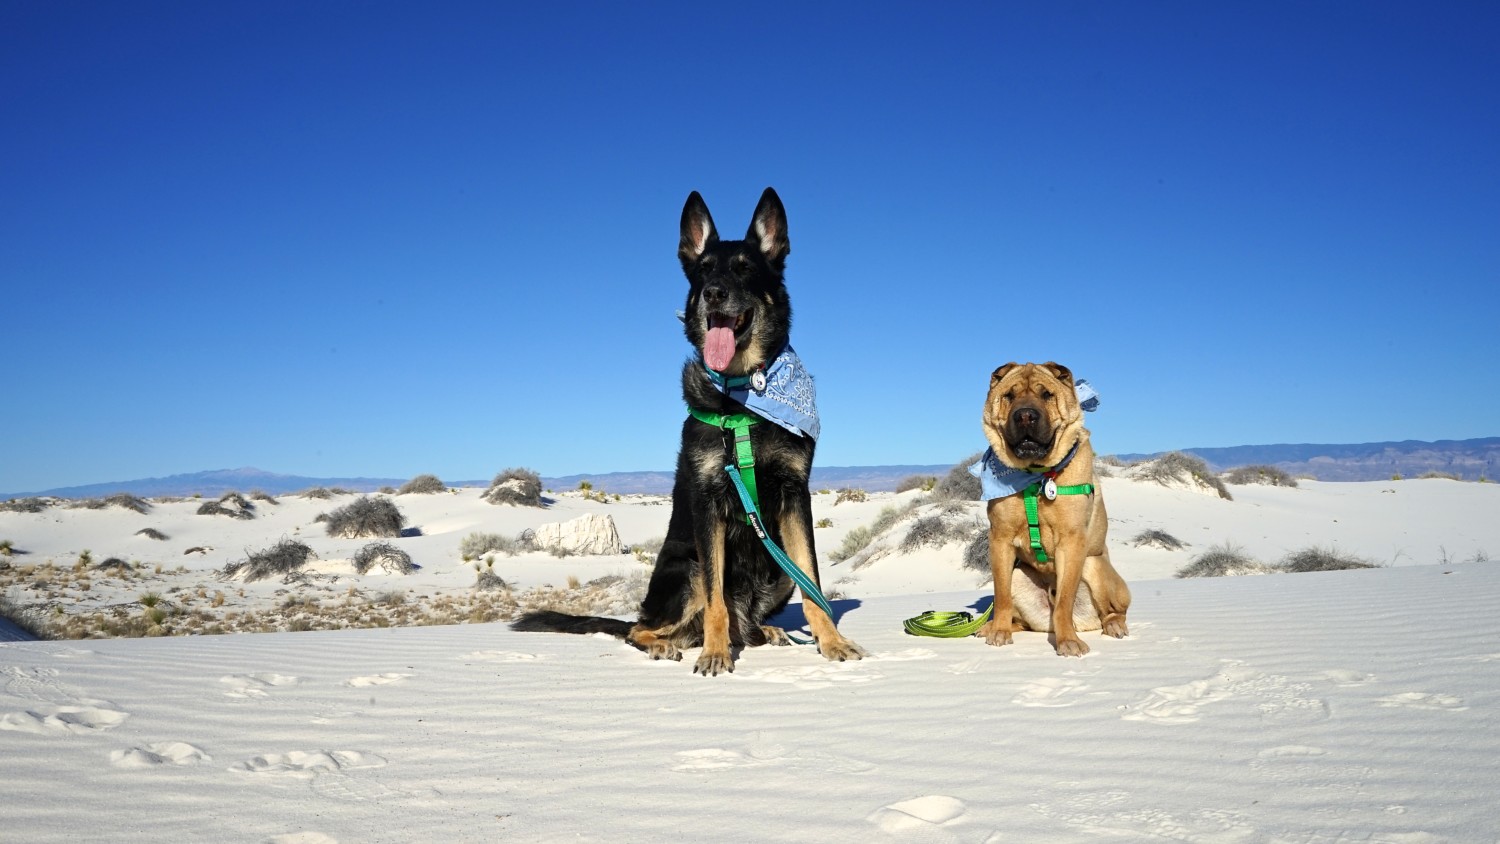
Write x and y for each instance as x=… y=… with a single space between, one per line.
x=1223 y=560
x=318 y=493
x=26 y=505
x=934 y=532
x=1155 y=538
x=958 y=484
x=476 y=545
x=852 y=495
x=977 y=553
x=1436 y=475
x=120 y=499
x=824 y=523
x=387 y=556
x=1268 y=475
x=283 y=558
x=521 y=487
x=1175 y=466
x=260 y=495
x=229 y=504
x=422 y=485
x=923 y=482
x=366 y=517
x=151 y=533
x=1322 y=559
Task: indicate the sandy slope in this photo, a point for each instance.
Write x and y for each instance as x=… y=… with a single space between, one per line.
x=1338 y=707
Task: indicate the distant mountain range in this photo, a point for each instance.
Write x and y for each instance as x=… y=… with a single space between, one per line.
x=1466 y=459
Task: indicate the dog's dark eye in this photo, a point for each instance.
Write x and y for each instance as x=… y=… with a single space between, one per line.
x=708 y=263
x=1046 y=395
x=1010 y=395
x=740 y=265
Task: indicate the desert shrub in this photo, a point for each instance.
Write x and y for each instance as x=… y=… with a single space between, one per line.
x=151 y=533
x=521 y=487
x=854 y=495
x=958 y=484
x=1223 y=560
x=366 y=517
x=385 y=555
x=934 y=532
x=114 y=564
x=283 y=558
x=26 y=505
x=123 y=500
x=388 y=490
x=422 y=485
x=488 y=580
x=478 y=544
x=1177 y=466
x=1322 y=559
x=262 y=495
x=824 y=523
x=648 y=550
x=977 y=553
x=230 y=504
x=1158 y=539
x=1435 y=475
x=1268 y=475
x=318 y=492
x=855 y=541
x=1112 y=460
x=911 y=482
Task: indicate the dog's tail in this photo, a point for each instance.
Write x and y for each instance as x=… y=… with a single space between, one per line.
x=547 y=621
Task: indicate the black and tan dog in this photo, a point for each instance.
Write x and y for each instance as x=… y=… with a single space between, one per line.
x=1033 y=423
x=714 y=583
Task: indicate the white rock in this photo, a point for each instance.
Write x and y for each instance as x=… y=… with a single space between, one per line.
x=591 y=533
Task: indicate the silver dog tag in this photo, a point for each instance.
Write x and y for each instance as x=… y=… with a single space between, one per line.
x=1049 y=489
x=758 y=381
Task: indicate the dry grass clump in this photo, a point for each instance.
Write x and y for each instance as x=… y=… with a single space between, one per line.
x=1223 y=560
x=151 y=533
x=261 y=495
x=923 y=482
x=853 y=495
x=478 y=544
x=283 y=558
x=934 y=532
x=1318 y=558
x=487 y=580
x=1175 y=466
x=1155 y=538
x=610 y=595
x=1268 y=475
x=859 y=538
x=422 y=485
x=319 y=493
x=113 y=564
x=387 y=556
x=366 y=517
x=1436 y=475
x=26 y=505
x=230 y=504
x=521 y=487
x=977 y=553
x=958 y=484
x=120 y=499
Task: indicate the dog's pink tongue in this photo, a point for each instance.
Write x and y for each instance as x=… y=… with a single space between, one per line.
x=718 y=346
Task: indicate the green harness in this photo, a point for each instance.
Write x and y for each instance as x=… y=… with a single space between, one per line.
x=954 y=625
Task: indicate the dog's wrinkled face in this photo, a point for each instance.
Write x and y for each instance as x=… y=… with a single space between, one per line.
x=738 y=314
x=1031 y=414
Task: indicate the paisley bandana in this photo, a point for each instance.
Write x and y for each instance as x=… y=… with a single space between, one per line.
x=997 y=480
x=787 y=398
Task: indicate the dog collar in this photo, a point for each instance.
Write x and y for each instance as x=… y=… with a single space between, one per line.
x=997 y=480
x=781 y=392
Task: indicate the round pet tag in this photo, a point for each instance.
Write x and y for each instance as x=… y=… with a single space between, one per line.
x=1049 y=489
x=758 y=381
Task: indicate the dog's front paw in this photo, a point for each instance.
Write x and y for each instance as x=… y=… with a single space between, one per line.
x=995 y=633
x=1071 y=647
x=712 y=663
x=775 y=635
x=840 y=650
x=1115 y=626
x=663 y=650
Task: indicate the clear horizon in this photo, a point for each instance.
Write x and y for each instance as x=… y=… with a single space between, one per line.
x=443 y=240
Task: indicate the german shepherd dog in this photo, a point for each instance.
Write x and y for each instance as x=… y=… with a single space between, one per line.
x=714 y=583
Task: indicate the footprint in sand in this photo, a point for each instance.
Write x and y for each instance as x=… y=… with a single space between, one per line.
x=1305 y=766
x=819 y=676
x=1279 y=700
x=376 y=680
x=160 y=753
x=307 y=764
x=38 y=684
x=920 y=818
x=1423 y=700
x=253 y=686
x=1346 y=677
x=762 y=751
x=51 y=719
x=967 y=666
x=1110 y=814
x=1050 y=692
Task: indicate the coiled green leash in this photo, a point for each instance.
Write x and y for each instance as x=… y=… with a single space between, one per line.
x=946 y=625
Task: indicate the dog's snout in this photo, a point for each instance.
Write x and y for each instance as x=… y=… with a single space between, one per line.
x=1024 y=417
x=715 y=294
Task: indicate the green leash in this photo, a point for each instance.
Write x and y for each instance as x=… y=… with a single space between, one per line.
x=954 y=625
x=744 y=484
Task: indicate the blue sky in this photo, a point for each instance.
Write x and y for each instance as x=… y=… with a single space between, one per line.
x=385 y=239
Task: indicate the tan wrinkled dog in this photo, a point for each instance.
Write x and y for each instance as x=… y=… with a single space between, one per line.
x=1033 y=422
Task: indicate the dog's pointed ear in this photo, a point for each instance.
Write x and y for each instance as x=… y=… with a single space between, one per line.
x=1002 y=372
x=698 y=232
x=1060 y=372
x=768 y=228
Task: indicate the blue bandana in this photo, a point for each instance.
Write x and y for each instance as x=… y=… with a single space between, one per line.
x=997 y=480
x=789 y=398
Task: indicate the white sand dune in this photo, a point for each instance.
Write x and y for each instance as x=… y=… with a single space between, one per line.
x=1354 y=706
